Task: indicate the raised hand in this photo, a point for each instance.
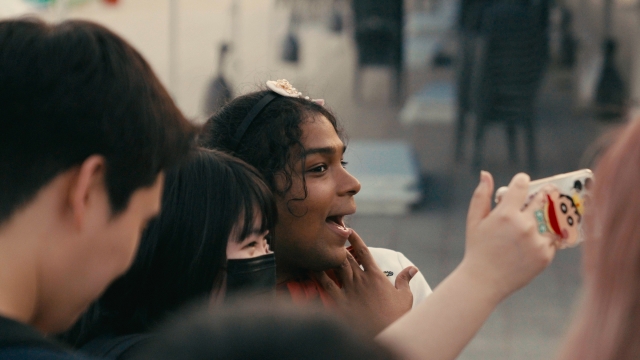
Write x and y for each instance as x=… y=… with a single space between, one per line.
x=504 y=251
x=366 y=298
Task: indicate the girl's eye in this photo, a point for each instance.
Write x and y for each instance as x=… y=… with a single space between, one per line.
x=344 y=163
x=318 y=169
x=251 y=245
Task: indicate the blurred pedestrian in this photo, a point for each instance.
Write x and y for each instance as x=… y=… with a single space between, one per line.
x=468 y=26
x=219 y=91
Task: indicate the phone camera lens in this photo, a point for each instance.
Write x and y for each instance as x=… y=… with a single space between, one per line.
x=577 y=185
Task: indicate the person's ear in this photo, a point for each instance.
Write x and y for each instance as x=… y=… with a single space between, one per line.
x=89 y=182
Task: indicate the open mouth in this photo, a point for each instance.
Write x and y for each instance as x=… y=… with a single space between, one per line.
x=338 y=220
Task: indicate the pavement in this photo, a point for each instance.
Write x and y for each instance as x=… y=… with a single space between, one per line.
x=528 y=325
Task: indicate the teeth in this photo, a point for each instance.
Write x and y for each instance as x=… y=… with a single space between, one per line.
x=338 y=220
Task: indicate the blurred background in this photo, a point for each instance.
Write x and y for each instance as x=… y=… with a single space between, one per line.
x=429 y=92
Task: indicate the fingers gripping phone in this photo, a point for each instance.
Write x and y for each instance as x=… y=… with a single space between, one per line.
x=561 y=216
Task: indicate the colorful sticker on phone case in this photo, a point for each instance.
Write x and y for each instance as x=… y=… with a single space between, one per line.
x=561 y=216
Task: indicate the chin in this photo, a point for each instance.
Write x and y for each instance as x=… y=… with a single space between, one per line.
x=336 y=260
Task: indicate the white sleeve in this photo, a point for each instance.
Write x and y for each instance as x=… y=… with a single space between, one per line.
x=392 y=262
x=419 y=286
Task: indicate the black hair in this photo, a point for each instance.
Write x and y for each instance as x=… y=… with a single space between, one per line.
x=272 y=141
x=75 y=89
x=183 y=251
x=260 y=329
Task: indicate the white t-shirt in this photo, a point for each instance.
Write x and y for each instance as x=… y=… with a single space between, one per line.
x=392 y=262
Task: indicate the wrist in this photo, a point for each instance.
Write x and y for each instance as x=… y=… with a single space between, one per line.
x=486 y=286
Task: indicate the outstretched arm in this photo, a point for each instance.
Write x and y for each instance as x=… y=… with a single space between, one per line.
x=504 y=251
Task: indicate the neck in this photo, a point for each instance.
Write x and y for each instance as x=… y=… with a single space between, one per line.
x=286 y=273
x=18 y=273
x=24 y=239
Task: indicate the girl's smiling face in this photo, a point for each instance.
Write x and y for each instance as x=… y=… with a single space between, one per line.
x=310 y=232
x=252 y=246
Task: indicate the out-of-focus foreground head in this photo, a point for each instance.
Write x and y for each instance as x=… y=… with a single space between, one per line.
x=606 y=325
x=79 y=106
x=261 y=329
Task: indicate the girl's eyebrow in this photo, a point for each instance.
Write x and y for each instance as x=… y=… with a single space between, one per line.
x=328 y=150
x=256 y=231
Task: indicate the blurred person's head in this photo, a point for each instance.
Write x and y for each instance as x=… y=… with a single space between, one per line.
x=260 y=329
x=297 y=145
x=87 y=130
x=210 y=201
x=606 y=325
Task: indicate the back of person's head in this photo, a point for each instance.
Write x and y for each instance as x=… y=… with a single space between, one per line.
x=72 y=90
x=606 y=326
x=183 y=251
x=260 y=329
x=272 y=140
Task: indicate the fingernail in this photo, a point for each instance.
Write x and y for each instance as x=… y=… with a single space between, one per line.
x=413 y=271
x=483 y=176
x=483 y=181
x=522 y=177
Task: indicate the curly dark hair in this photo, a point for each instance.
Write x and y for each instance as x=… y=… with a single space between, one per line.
x=272 y=142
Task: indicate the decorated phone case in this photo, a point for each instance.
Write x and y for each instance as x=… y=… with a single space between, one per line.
x=563 y=211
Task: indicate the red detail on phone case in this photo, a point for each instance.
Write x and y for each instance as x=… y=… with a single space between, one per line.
x=553 y=219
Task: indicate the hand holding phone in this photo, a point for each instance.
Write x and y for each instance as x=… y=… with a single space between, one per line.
x=562 y=213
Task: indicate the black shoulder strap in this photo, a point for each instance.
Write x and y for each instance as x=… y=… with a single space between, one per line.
x=113 y=347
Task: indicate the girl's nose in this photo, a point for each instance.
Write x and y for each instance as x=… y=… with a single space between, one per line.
x=351 y=184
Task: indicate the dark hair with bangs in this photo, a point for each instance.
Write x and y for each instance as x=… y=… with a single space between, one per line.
x=75 y=89
x=183 y=251
x=272 y=141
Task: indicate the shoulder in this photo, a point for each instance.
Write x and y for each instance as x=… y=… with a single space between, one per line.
x=35 y=353
x=20 y=341
x=116 y=347
x=389 y=258
x=392 y=262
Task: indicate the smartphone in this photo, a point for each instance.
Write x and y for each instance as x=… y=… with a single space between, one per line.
x=562 y=214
